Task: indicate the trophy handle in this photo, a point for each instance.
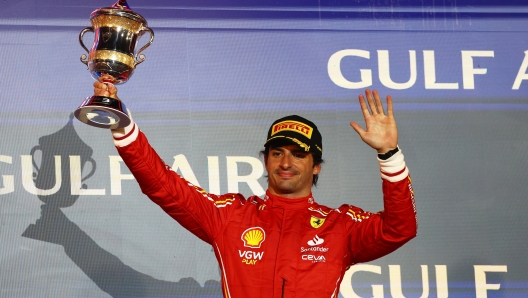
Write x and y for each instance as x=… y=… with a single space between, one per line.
x=32 y=153
x=92 y=171
x=84 y=58
x=141 y=58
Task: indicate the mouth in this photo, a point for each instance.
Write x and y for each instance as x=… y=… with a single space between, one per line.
x=285 y=174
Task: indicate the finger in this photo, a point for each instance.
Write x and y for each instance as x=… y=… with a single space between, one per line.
x=106 y=78
x=371 y=102
x=364 y=108
x=111 y=88
x=390 y=111
x=100 y=89
x=105 y=89
x=379 y=105
x=98 y=85
x=357 y=128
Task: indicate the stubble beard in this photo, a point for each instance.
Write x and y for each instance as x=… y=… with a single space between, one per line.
x=287 y=185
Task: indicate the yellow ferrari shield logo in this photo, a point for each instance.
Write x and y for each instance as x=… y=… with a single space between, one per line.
x=317 y=222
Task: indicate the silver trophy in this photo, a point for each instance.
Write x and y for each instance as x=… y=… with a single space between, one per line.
x=117 y=31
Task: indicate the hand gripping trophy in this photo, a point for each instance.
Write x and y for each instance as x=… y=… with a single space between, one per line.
x=117 y=31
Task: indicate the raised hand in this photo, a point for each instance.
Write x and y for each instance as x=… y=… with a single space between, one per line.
x=102 y=87
x=381 y=132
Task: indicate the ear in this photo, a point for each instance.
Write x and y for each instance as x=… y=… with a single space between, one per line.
x=316 y=169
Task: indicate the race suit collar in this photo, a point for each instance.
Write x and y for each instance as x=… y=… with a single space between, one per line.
x=282 y=202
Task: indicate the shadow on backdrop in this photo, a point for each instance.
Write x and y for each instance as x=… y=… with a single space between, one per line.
x=107 y=271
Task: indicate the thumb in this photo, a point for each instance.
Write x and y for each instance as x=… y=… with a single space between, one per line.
x=112 y=89
x=357 y=128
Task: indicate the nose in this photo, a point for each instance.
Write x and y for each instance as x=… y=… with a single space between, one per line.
x=285 y=162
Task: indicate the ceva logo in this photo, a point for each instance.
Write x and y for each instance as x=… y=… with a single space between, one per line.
x=314 y=259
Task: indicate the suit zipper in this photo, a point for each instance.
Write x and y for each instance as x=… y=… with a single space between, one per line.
x=283 y=284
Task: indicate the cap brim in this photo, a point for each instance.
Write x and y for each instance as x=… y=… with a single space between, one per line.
x=279 y=140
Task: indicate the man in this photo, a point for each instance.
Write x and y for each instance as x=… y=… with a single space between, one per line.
x=285 y=244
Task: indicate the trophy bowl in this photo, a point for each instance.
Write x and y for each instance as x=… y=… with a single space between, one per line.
x=117 y=30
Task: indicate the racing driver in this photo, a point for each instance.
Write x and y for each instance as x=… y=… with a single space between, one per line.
x=284 y=244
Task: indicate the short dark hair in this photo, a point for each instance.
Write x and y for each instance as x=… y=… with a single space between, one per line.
x=317 y=158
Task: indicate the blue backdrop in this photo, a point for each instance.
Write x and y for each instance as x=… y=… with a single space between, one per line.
x=216 y=76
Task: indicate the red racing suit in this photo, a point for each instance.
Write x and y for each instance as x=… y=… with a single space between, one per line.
x=273 y=246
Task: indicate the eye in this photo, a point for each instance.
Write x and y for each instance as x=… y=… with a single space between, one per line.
x=299 y=155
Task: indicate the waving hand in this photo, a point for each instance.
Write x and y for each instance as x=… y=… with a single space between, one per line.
x=381 y=132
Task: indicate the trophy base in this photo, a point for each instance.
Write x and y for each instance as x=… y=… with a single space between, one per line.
x=103 y=112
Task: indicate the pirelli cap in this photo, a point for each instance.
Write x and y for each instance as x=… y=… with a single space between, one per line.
x=297 y=130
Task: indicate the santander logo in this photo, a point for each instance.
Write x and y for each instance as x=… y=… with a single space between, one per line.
x=316 y=241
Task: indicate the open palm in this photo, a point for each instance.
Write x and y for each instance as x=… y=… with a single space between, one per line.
x=381 y=132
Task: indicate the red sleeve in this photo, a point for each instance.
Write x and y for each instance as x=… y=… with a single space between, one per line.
x=201 y=213
x=372 y=236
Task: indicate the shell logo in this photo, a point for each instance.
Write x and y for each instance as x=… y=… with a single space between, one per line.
x=253 y=237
